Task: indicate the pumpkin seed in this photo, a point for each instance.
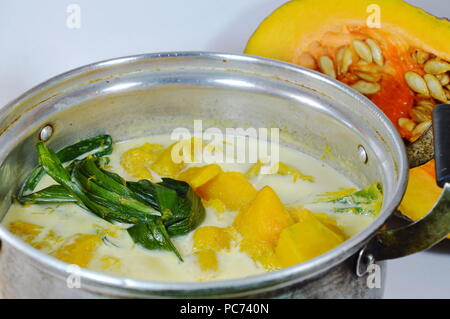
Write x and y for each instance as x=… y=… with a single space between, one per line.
x=366 y=87
x=351 y=78
x=367 y=68
x=363 y=50
x=425 y=109
x=339 y=59
x=327 y=66
x=307 y=60
x=428 y=109
x=376 y=51
x=370 y=77
x=426 y=103
x=443 y=78
x=420 y=115
x=421 y=128
x=436 y=66
x=416 y=83
x=347 y=60
x=435 y=87
x=424 y=97
x=421 y=56
x=406 y=124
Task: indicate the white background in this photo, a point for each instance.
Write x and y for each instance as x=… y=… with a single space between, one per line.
x=36 y=44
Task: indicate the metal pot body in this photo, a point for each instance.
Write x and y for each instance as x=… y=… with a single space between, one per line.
x=21 y=277
x=154 y=94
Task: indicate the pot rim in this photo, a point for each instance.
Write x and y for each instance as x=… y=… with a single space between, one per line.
x=303 y=271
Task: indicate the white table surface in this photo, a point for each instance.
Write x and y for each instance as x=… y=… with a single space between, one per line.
x=36 y=44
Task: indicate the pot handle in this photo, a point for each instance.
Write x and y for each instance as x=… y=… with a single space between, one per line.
x=435 y=226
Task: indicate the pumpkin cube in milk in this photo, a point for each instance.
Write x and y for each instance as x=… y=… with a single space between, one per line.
x=304 y=240
x=301 y=214
x=331 y=224
x=212 y=237
x=27 y=231
x=165 y=166
x=35 y=235
x=198 y=176
x=172 y=160
x=232 y=188
x=207 y=241
x=207 y=260
x=260 y=225
x=136 y=161
x=80 y=250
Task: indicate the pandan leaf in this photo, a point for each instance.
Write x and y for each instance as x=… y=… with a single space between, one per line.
x=99 y=146
x=367 y=201
x=157 y=211
x=329 y=196
x=181 y=207
x=153 y=236
x=51 y=194
x=54 y=168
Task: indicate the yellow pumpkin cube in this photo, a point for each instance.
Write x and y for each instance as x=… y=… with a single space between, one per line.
x=35 y=235
x=212 y=237
x=216 y=204
x=304 y=240
x=232 y=188
x=331 y=224
x=24 y=230
x=260 y=225
x=208 y=240
x=199 y=175
x=80 y=250
x=301 y=214
x=173 y=158
x=165 y=166
x=136 y=161
x=207 y=260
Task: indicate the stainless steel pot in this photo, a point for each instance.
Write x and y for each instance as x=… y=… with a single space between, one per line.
x=154 y=93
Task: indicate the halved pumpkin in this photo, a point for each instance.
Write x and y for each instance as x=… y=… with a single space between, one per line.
x=394 y=53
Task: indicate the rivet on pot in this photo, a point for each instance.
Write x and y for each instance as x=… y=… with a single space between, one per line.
x=362 y=154
x=46 y=133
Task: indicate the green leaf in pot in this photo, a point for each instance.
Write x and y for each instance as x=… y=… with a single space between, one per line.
x=89 y=168
x=180 y=206
x=114 y=176
x=157 y=211
x=367 y=201
x=147 y=192
x=153 y=235
x=97 y=146
x=121 y=203
x=189 y=213
x=51 y=194
x=54 y=168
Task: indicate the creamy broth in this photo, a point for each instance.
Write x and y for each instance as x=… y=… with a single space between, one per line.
x=118 y=255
